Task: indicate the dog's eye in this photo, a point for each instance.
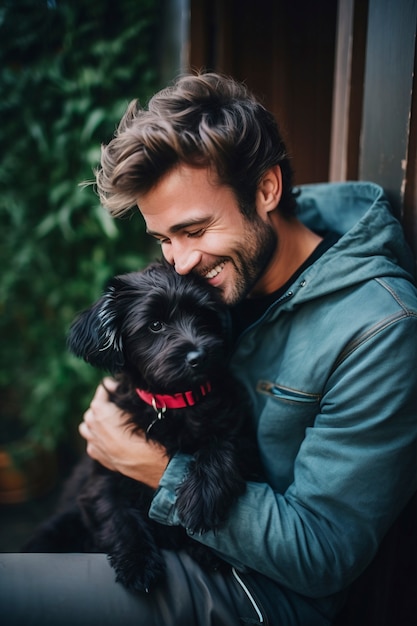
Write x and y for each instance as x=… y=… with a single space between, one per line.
x=155 y=327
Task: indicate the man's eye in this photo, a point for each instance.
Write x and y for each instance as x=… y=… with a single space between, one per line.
x=197 y=233
x=156 y=326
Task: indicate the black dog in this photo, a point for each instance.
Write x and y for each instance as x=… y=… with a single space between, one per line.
x=162 y=334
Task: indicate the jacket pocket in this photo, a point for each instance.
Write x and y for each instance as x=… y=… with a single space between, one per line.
x=286 y=394
x=282 y=422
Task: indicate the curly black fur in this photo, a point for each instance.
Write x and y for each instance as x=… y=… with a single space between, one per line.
x=164 y=333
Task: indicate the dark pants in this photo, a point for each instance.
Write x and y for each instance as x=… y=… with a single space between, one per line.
x=79 y=589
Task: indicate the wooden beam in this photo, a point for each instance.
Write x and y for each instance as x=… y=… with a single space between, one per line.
x=387 y=96
x=348 y=89
x=410 y=191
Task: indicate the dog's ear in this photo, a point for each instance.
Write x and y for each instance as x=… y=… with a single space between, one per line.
x=95 y=335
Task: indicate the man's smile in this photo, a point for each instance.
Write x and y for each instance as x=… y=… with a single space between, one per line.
x=214 y=271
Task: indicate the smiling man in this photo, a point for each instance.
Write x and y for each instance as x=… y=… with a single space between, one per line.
x=323 y=308
x=201 y=228
x=324 y=313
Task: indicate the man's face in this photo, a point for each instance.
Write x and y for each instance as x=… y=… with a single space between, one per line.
x=201 y=229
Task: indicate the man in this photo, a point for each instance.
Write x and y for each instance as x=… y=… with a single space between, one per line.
x=325 y=339
x=326 y=343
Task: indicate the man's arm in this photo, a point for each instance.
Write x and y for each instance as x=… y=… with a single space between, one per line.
x=355 y=471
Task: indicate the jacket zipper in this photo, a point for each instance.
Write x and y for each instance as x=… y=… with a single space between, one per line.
x=250 y=597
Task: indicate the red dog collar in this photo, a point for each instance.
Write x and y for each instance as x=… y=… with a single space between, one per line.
x=176 y=401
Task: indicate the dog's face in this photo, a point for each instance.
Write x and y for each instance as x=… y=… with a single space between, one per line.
x=163 y=329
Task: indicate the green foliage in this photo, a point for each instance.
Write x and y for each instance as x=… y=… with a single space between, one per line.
x=67 y=72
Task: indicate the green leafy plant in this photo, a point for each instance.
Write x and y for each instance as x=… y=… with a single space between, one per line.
x=67 y=72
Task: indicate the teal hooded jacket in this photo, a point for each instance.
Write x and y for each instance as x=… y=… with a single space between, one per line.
x=331 y=369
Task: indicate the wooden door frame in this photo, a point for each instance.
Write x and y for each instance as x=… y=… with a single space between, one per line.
x=374 y=127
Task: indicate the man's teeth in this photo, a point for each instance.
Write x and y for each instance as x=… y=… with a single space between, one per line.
x=216 y=270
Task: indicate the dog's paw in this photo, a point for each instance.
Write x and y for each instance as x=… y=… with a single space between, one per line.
x=201 y=508
x=137 y=573
x=210 y=489
x=197 y=520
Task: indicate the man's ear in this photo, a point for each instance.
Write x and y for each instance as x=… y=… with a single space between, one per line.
x=95 y=335
x=269 y=191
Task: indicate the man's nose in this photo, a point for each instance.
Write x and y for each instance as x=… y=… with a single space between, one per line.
x=185 y=261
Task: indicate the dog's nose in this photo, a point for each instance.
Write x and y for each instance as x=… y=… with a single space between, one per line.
x=194 y=358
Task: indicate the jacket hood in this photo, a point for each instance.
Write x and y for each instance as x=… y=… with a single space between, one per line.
x=371 y=245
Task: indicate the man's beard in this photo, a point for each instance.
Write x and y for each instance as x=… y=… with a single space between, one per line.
x=251 y=259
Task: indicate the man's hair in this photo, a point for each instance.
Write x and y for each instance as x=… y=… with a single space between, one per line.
x=204 y=120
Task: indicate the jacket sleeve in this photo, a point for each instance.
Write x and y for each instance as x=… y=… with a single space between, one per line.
x=354 y=472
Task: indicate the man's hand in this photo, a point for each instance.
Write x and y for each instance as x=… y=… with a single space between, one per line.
x=112 y=443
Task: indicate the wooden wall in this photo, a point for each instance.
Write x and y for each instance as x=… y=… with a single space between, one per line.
x=374 y=110
x=339 y=77
x=285 y=52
